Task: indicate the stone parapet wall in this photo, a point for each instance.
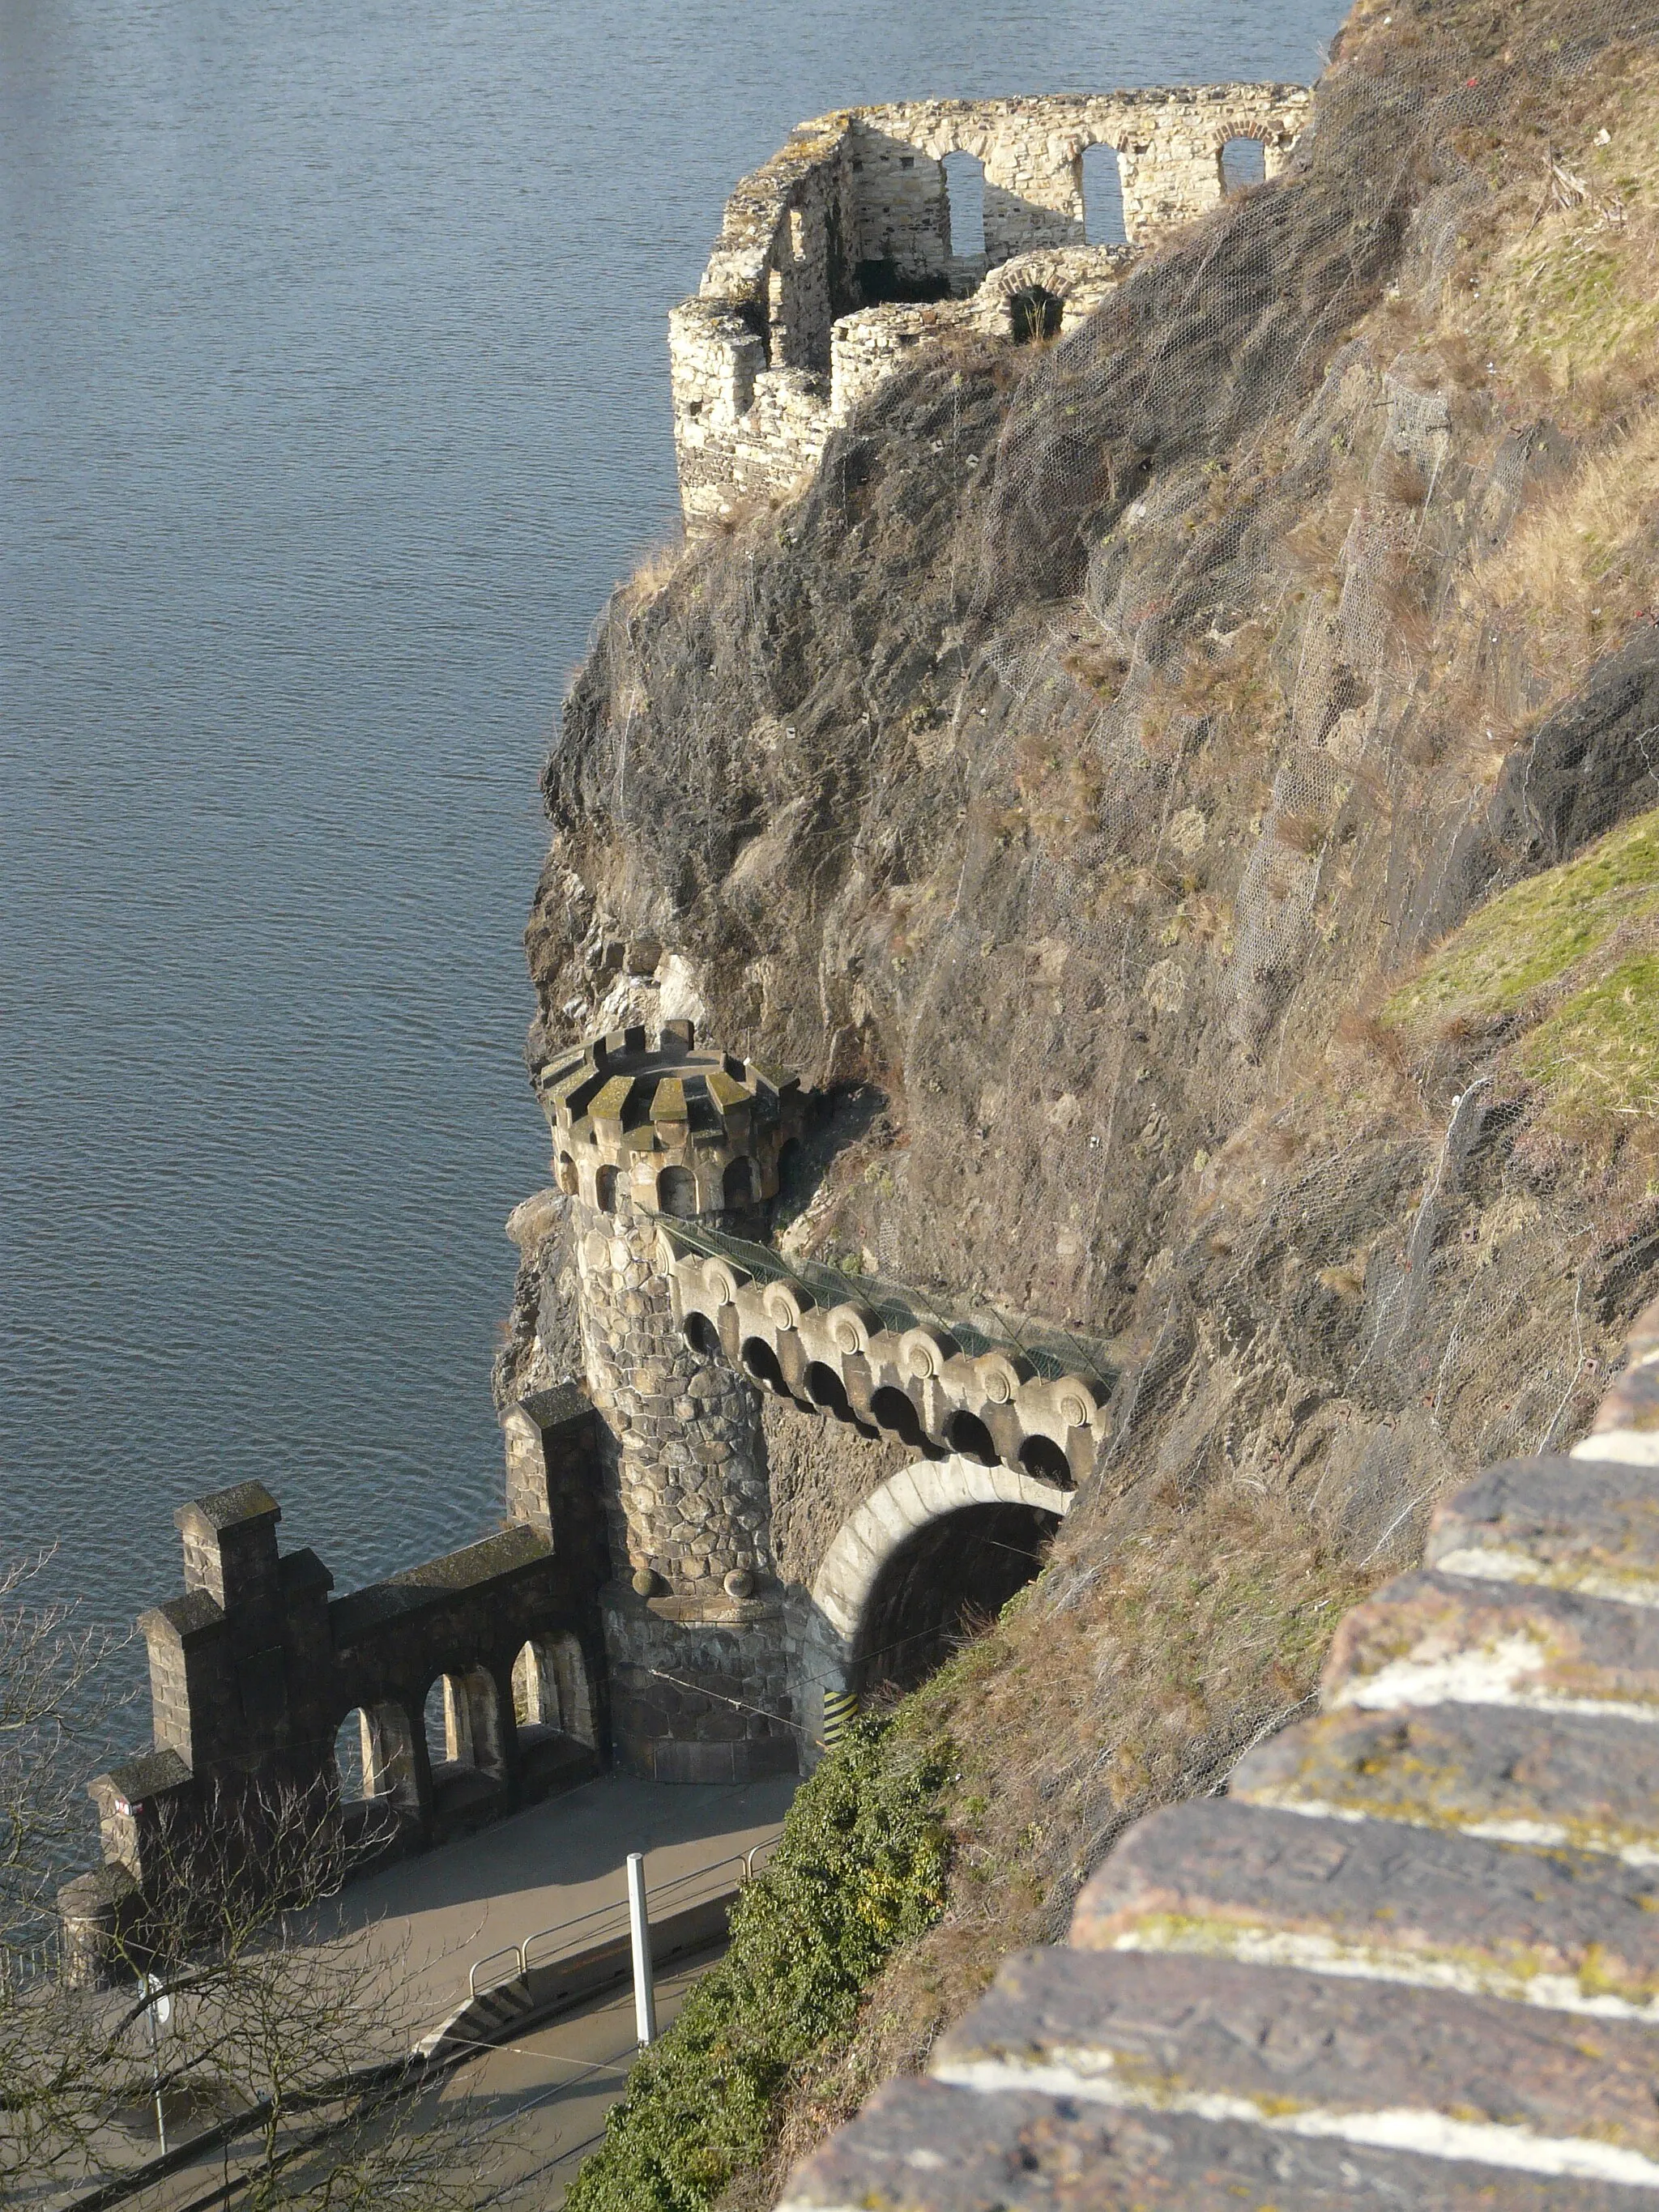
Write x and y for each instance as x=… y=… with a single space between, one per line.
x=1411 y=1957
x=919 y=1384
x=851 y=220
x=256 y=1666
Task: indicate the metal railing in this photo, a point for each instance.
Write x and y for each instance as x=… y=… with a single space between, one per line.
x=749 y=1862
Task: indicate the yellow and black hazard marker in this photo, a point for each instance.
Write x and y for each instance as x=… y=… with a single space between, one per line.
x=840 y=1709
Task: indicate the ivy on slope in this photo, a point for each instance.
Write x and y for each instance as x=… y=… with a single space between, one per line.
x=860 y=1871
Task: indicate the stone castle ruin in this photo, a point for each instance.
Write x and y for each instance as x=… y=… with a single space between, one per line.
x=838 y=257
x=633 y=1607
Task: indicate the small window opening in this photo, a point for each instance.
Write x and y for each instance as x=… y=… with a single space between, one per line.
x=967 y=1434
x=1103 y=197
x=894 y=1410
x=701 y=1336
x=1035 y=314
x=825 y=1388
x=604 y=1189
x=760 y=1363
x=737 y=1184
x=1042 y=1457
x=1243 y=163
x=964 y=189
x=677 y=1193
x=353 y=1757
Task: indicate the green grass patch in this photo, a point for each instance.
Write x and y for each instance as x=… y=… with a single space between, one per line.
x=860 y=1871
x=1599 y=1052
x=1531 y=935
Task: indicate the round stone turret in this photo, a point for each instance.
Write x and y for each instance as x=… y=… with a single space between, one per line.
x=645 y=1127
x=675 y=1129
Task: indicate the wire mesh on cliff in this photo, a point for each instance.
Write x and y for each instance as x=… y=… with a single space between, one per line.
x=1084 y=758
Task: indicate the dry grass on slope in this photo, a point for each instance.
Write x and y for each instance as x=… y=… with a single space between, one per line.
x=1162 y=1640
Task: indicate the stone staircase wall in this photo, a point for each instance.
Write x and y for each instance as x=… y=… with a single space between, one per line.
x=1411 y=1958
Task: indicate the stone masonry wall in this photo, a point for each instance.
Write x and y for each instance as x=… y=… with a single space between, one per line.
x=684 y=1468
x=855 y=206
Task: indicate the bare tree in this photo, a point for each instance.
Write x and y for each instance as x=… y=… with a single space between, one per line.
x=286 y=2058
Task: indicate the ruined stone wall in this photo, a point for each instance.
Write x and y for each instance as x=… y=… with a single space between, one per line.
x=855 y=207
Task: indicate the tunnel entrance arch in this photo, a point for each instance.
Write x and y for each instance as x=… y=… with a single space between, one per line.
x=939 y=1545
x=947 y=1579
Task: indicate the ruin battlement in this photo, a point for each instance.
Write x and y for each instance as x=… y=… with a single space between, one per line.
x=836 y=257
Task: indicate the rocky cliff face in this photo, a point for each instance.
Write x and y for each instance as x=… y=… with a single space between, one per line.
x=1182 y=790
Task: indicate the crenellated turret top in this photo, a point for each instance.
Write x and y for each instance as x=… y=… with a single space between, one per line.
x=676 y=1129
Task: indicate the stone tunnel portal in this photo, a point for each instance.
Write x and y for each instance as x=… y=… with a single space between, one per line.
x=946 y=1578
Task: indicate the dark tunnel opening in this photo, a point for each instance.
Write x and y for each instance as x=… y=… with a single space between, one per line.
x=941 y=1583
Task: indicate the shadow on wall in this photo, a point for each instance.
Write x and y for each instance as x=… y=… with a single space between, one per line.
x=946 y=1580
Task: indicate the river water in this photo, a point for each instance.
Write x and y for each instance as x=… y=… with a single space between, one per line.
x=333 y=398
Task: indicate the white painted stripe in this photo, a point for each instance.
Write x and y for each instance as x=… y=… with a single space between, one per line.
x=1088 y=2076
x=1260 y=1947
x=1541 y=1835
x=1499 y=1673
x=1480 y=1564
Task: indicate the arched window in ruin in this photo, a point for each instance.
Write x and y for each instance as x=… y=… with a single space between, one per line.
x=1033 y=313
x=566 y=1173
x=737 y=1184
x=1042 y=1457
x=967 y=1434
x=352 y=1756
x=374 y=1758
x=964 y=193
x=604 y=1189
x=701 y=1336
x=1243 y=163
x=677 y=1193
x=464 y=1724
x=1103 y=197
x=791 y=1168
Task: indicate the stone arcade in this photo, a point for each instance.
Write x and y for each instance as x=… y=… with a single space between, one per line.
x=632 y=1606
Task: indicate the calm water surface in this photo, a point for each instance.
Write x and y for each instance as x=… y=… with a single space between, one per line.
x=333 y=398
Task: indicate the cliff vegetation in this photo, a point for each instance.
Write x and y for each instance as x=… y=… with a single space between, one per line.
x=1188 y=792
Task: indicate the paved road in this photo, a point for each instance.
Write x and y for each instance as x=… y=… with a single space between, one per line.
x=543 y=2099
x=436 y=1915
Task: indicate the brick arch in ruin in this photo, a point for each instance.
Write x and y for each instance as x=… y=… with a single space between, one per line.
x=835 y=259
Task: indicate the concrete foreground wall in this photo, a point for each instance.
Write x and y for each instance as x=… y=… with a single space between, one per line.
x=1411 y=1958
x=836 y=258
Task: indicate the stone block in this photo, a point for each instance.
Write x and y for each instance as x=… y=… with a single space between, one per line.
x=922 y=2146
x=1574 y=1523
x=1504 y=1771
x=1428 y=1639
x=1301 y=2049
x=1415 y=1904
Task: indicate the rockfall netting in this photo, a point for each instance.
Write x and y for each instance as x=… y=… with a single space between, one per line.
x=1074 y=776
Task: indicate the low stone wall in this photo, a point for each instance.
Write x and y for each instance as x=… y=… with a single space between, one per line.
x=256 y=1666
x=1411 y=1958
x=850 y=223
